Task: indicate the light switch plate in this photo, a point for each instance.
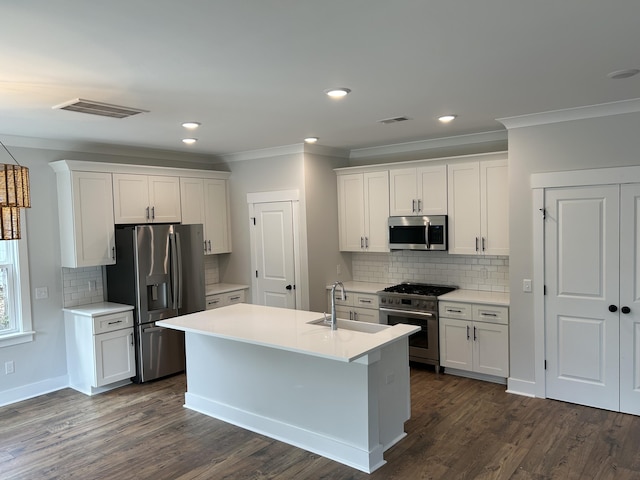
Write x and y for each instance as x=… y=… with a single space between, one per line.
x=526 y=285
x=42 y=292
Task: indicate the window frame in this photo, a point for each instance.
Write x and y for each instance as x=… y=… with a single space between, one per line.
x=21 y=307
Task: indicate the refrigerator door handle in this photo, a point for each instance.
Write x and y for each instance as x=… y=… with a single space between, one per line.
x=178 y=247
x=173 y=272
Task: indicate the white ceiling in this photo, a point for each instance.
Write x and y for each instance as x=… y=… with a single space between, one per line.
x=253 y=72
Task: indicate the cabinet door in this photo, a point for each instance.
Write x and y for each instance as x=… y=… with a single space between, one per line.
x=494 y=207
x=92 y=232
x=456 y=344
x=366 y=315
x=403 y=194
x=491 y=349
x=115 y=359
x=376 y=210
x=351 y=212
x=192 y=200
x=164 y=199
x=464 y=208
x=217 y=226
x=130 y=198
x=432 y=190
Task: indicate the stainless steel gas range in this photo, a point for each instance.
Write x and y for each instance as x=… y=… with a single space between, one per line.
x=415 y=304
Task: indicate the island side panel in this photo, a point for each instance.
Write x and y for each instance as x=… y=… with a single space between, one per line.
x=325 y=406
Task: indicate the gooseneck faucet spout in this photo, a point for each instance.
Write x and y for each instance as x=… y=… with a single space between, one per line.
x=334 y=320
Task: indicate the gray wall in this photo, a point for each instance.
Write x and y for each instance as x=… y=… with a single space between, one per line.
x=580 y=144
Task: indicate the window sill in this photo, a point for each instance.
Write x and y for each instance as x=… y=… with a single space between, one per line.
x=16 y=338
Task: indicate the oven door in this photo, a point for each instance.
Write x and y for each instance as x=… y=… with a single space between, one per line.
x=423 y=345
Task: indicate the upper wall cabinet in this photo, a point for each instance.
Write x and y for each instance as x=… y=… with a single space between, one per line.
x=418 y=191
x=206 y=201
x=85 y=212
x=479 y=207
x=146 y=198
x=93 y=196
x=363 y=211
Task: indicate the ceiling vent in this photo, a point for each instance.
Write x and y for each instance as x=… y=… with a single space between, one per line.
x=98 y=108
x=387 y=121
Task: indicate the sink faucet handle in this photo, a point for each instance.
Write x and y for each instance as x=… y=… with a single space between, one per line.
x=326 y=320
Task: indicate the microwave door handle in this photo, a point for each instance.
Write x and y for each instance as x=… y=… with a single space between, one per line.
x=426 y=235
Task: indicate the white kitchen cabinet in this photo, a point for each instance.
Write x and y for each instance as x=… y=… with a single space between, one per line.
x=474 y=338
x=478 y=193
x=85 y=213
x=224 y=299
x=100 y=347
x=362 y=307
x=363 y=211
x=418 y=191
x=205 y=201
x=146 y=198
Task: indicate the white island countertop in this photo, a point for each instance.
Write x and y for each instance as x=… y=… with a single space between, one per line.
x=290 y=330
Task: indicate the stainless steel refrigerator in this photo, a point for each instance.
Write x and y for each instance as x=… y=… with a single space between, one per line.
x=160 y=271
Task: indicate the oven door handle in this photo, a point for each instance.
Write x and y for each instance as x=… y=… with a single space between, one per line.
x=406 y=312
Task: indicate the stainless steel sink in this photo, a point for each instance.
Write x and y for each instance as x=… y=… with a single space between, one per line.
x=352 y=325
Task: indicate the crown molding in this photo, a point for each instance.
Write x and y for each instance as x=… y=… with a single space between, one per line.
x=459 y=140
x=569 y=114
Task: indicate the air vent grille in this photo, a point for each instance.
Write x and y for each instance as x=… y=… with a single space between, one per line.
x=98 y=108
x=387 y=121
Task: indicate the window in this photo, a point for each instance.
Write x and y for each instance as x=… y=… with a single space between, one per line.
x=15 y=304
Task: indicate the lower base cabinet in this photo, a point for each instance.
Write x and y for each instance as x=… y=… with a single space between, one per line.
x=224 y=299
x=100 y=349
x=474 y=338
x=362 y=307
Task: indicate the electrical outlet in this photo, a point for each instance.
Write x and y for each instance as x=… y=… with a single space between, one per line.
x=42 y=292
x=9 y=367
x=338 y=269
x=526 y=285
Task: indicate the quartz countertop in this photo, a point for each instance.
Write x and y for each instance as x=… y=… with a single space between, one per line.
x=476 y=296
x=97 y=309
x=290 y=330
x=218 y=288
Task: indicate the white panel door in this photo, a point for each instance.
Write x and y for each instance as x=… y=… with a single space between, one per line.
x=456 y=347
x=630 y=298
x=275 y=254
x=351 y=212
x=494 y=211
x=491 y=349
x=581 y=276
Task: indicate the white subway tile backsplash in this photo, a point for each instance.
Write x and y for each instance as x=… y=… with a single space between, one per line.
x=489 y=273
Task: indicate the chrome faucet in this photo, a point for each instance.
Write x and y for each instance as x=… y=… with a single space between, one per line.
x=334 y=320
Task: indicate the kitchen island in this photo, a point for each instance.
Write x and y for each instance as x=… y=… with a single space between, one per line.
x=342 y=394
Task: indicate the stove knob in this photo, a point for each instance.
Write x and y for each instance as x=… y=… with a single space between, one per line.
x=397 y=301
x=383 y=300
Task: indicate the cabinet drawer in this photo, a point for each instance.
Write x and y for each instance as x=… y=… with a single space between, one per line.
x=112 y=322
x=348 y=298
x=491 y=314
x=234 y=297
x=455 y=310
x=365 y=300
x=214 y=301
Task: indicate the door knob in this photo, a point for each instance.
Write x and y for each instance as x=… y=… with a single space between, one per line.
x=613 y=308
x=625 y=310
x=288 y=287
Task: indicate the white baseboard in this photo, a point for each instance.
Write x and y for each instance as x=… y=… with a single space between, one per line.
x=521 y=387
x=298 y=437
x=31 y=390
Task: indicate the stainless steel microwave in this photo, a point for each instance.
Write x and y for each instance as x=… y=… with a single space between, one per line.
x=418 y=233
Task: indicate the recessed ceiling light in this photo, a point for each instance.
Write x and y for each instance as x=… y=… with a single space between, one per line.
x=447 y=118
x=191 y=125
x=618 y=74
x=311 y=139
x=189 y=141
x=338 y=92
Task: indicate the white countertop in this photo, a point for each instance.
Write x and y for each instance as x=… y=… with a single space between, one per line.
x=287 y=329
x=363 y=287
x=218 y=288
x=97 y=309
x=476 y=296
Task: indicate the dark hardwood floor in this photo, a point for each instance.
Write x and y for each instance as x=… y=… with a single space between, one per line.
x=460 y=428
